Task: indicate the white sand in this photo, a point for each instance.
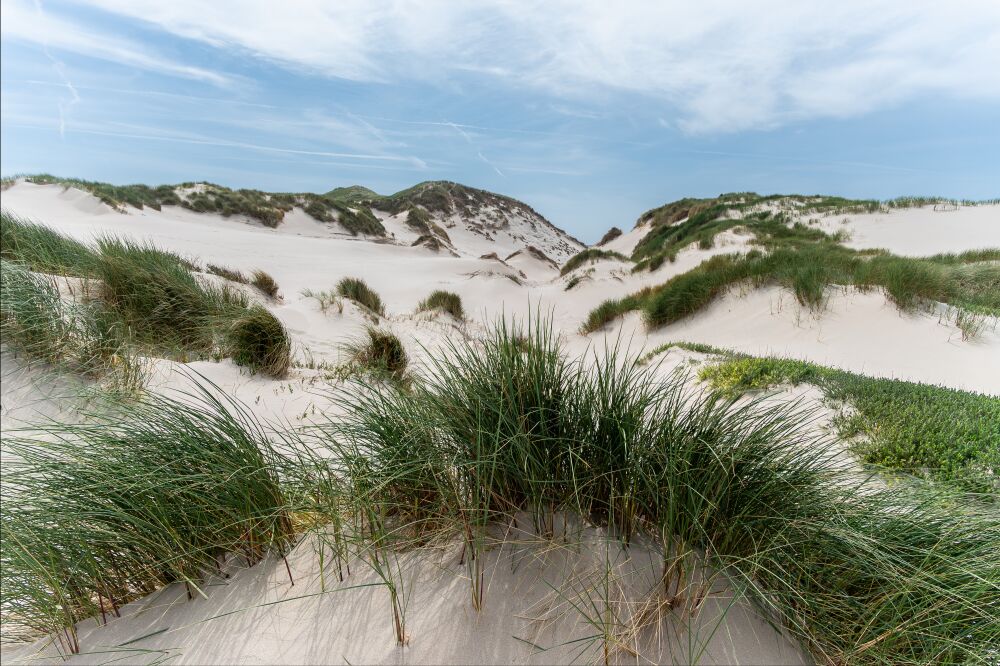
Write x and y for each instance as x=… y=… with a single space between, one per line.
x=860 y=332
x=257 y=617
x=920 y=232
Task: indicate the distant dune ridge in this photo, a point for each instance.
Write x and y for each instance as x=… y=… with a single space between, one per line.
x=432 y=427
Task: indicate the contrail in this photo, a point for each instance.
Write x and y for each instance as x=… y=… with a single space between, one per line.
x=64 y=107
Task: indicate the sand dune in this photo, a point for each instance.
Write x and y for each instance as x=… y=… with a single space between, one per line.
x=257 y=616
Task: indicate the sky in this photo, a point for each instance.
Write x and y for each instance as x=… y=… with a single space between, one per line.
x=590 y=111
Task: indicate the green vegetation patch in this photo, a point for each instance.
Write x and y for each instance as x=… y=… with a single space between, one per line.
x=134 y=298
x=921 y=429
x=504 y=432
x=590 y=255
x=807 y=262
x=268 y=208
x=358 y=291
x=446 y=301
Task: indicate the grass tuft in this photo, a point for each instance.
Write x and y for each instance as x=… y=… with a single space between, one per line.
x=358 y=291
x=264 y=283
x=447 y=301
x=260 y=342
x=227 y=274
x=381 y=353
x=590 y=255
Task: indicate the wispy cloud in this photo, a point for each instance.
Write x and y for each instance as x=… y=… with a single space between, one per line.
x=24 y=23
x=153 y=134
x=60 y=69
x=713 y=66
x=465 y=135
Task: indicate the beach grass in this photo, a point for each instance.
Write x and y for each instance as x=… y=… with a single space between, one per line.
x=379 y=353
x=590 y=255
x=43 y=249
x=131 y=298
x=97 y=515
x=86 y=338
x=259 y=341
x=357 y=290
x=498 y=430
x=446 y=301
x=264 y=283
x=227 y=273
x=808 y=269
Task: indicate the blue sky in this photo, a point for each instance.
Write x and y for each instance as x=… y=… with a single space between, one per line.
x=592 y=112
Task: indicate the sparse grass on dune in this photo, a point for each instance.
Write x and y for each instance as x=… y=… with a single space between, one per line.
x=920 y=429
x=446 y=301
x=264 y=283
x=139 y=297
x=326 y=299
x=358 y=291
x=742 y=492
x=808 y=269
x=97 y=515
x=268 y=208
x=116 y=196
x=590 y=255
x=230 y=274
x=43 y=249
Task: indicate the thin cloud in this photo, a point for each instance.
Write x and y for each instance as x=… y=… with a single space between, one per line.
x=715 y=66
x=19 y=22
x=211 y=141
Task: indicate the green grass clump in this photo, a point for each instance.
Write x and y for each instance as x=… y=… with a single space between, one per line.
x=808 y=265
x=97 y=515
x=508 y=425
x=590 y=255
x=381 y=353
x=259 y=341
x=945 y=434
x=139 y=298
x=227 y=273
x=358 y=291
x=42 y=249
x=159 y=299
x=447 y=301
x=264 y=283
x=82 y=337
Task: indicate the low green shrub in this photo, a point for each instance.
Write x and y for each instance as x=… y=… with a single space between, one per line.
x=945 y=434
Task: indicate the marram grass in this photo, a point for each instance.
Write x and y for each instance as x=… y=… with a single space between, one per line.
x=740 y=491
x=138 y=299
